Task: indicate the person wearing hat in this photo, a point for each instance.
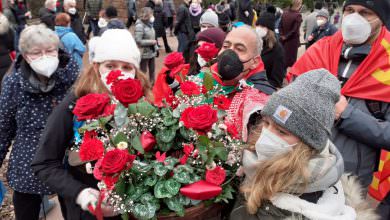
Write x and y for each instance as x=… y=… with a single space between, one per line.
x=323 y=29
x=273 y=52
x=359 y=56
x=209 y=19
x=292 y=170
x=114 y=50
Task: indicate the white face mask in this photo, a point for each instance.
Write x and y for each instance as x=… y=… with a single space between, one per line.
x=152 y=19
x=320 y=22
x=125 y=75
x=261 y=32
x=355 y=29
x=201 y=61
x=45 y=65
x=72 y=11
x=102 y=23
x=269 y=145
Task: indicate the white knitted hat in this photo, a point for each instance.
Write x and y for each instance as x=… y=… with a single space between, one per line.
x=114 y=44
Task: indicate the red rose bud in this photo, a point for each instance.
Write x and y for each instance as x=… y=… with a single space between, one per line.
x=91 y=149
x=127 y=91
x=109 y=110
x=222 y=102
x=216 y=176
x=91 y=106
x=116 y=160
x=201 y=190
x=188 y=148
x=147 y=141
x=174 y=60
x=183 y=159
x=199 y=118
x=207 y=51
x=113 y=76
x=161 y=157
x=190 y=88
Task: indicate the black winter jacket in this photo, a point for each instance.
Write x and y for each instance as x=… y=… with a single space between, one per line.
x=274 y=64
x=47 y=17
x=78 y=27
x=183 y=22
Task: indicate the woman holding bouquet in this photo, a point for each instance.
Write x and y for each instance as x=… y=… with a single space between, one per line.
x=294 y=171
x=115 y=59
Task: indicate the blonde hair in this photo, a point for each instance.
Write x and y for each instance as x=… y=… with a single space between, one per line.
x=286 y=172
x=90 y=82
x=270 y=39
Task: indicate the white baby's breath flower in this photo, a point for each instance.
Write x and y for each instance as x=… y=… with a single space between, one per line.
x=122 y=145
x=211 y=166
x=209 y=134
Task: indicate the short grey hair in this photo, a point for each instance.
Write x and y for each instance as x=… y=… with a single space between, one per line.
x=259 y=42
x=48 y=3
x=37 y=35
x=66 y=2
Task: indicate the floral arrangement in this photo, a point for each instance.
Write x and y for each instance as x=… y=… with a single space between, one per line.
x=150 y=161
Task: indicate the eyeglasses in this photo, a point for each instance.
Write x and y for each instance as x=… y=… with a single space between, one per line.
x=35 y=54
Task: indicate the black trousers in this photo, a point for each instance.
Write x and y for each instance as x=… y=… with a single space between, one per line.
x=170 y=23
x=26 y=206
x=148 y=64
x=166 y=45
x=130 y=21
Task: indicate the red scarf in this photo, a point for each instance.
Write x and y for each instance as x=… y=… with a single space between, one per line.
x=371 y=80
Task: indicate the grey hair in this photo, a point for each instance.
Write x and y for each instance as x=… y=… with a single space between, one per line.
x=37 y=35
x=69 y=1
x=259 y=41
x=145 y=14
x=49 y=3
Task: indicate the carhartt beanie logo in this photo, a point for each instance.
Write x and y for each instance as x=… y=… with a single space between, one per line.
x=306 y=107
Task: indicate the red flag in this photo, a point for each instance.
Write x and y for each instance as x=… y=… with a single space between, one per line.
x=371 y=80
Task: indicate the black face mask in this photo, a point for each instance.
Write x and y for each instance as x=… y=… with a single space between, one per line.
x=230 y=65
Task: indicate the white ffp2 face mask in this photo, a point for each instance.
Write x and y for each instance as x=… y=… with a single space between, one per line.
x=45 y=65
x=72 y=11
x=321 y=22
x=201 y=61
x=269 y=145
x=355 y=29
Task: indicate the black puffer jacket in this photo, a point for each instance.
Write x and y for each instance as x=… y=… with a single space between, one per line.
x=6 y=46
x=160 y=21
x=47 y=17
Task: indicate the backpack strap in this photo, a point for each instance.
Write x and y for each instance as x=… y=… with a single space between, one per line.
x=375 y=108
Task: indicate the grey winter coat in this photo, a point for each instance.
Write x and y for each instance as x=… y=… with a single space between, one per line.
x=145 y=37
x=359 y=137
x=131 y=8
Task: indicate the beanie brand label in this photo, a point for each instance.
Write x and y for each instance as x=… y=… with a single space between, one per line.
x=282 y=114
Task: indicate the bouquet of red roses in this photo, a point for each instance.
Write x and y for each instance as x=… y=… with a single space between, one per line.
x=150 y=161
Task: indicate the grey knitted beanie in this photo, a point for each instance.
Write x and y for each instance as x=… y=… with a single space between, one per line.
x=306 y=107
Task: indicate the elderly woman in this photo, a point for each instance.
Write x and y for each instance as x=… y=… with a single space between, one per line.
x=40 y=80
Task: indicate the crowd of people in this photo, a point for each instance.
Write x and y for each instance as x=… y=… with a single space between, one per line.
x=312 y=149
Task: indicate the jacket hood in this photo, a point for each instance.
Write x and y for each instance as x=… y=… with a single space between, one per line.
x=331 y=206
x=116 y=24
x=60 y=30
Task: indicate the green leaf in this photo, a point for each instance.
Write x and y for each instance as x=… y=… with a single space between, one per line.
x=186 y=133
x=204 y=140
x=166 y=135
x=226 y=195
x=208 y=81
x=125 y=216
x=120 y=115
x=144 y=212
x=145 y=108
x=120 y=186
x=203 y=152
x=221 y=114
x=135 y=192
x=160 y=169
x=221 y=152
x=182 y=177
x=136 y=144
x=150 y=180
x=104 y=120
x=120 y=137
x=172 y=186
x=170 y=162
x=160 y=191
x=175 y=205
x=164 y=146
x=89 y=126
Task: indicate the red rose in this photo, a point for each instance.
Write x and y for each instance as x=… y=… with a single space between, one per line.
x=232 y=130
x=173 y=60
x=127 y=91
x=110 y=181
x=188 y=148
x=113 y=76
x=115 y=161
x=147 y=141
x=207 y=51
x=97 y=173
x=90 y=106
x=109 y=110
x=222 y=102
x=190 y=88
x=91 y=149
x=90 y=135
x=216 y=176
x=199 y=118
